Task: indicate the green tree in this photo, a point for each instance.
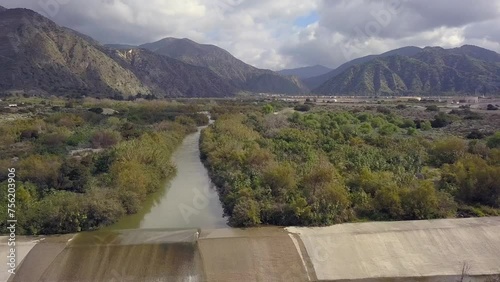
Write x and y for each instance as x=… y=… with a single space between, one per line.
x=494 y=141
x=426 y=125
x=281 y=178
x=442 y=120
x=268 y=109
x=448 y=151
x=476 y=181
x=40 y=170
x=388 y=129
x=421 y=202
x=73 y=176
x=246 y=213
x=388 y=202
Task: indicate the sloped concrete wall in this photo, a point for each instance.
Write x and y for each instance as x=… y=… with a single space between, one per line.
x=404 y=249
x=379 y=251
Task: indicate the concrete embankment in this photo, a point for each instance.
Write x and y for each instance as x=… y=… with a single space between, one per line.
x=437 y=250
x=135 y=255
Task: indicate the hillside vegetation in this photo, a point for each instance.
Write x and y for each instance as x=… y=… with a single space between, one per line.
x=78 y=169
x=329 y=167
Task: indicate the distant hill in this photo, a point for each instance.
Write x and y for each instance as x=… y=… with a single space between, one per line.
x=306 y=72
x=433 y=70
x=221 y=62
x=167 y=77
x=51 y=60
x=477 y=53
x=2 y=9
x=315 y=82
x=121 y=46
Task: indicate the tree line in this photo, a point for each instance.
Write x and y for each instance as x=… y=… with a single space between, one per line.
x=324 y=167
x=79 y=169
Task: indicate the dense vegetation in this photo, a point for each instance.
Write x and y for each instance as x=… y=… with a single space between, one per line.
x=327 y=167
x=79 y=169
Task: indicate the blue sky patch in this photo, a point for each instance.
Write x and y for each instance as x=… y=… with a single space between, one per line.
x=307 y=20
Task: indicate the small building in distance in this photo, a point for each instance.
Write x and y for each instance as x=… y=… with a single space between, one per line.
x=409 y=98
x=463 y=100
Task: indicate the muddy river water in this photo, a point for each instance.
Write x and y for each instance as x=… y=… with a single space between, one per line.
x=188 y=201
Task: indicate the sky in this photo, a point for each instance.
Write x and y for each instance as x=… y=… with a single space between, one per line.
x=282 y=34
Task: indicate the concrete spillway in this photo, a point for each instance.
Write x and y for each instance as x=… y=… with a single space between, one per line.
x=396 y=251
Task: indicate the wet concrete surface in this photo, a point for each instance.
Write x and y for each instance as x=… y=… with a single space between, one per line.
x=429 y=251
x=265 y=254
x=119 y=256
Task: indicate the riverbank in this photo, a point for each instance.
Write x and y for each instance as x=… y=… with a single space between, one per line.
x=188 y=200
x=434 y=250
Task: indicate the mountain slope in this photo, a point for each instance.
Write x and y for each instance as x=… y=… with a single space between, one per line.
x=477 y=53
x=168 y=77
x=316 y=81
x=433 y=70
x=121 y=46
x=38 y=56
x=48 y=58
x=225 y=65
x=306 y=72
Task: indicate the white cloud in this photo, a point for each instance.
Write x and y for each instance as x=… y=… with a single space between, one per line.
x=263 y=33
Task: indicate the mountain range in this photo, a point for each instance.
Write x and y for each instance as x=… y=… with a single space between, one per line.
x=316 y=81
x=225 y=65
x=40 y=57
x=37 y=56
x=431 y=71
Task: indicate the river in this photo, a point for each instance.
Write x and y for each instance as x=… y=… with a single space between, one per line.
x=188 y=201
x=159 y=243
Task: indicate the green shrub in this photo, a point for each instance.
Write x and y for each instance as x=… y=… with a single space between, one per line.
x=442 y=120
x=302 y=108
x=494 y=141
x=432 y=108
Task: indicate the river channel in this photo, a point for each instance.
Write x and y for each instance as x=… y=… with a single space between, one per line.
x=188 y=201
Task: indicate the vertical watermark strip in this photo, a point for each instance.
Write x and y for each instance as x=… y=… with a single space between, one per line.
x=11 y=221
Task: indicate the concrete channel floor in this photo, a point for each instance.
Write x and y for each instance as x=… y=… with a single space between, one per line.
x=434 y=250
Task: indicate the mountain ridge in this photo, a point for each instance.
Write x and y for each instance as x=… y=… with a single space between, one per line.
x=306 y=72
x=433 y=70
x=40 y=57
x=223 y=63
x=315 y=82
x=48 y=59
